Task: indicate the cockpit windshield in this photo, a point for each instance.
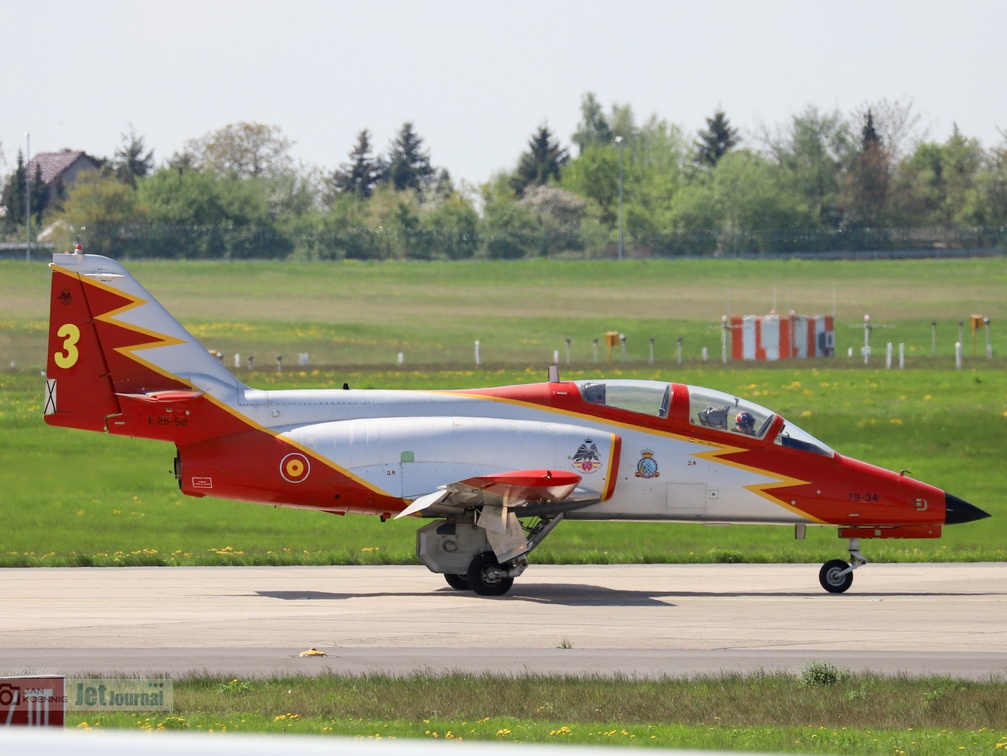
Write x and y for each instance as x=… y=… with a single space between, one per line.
x=714 y=409
x=646 y=397
x=796 y=438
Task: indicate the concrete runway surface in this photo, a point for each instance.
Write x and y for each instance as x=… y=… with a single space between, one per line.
x=635 y=620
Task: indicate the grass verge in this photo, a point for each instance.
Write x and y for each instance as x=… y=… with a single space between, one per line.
x=822 y=710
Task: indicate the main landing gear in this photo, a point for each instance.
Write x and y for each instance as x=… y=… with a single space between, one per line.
x=476 y=554
x=836 y=576
x=485 y=576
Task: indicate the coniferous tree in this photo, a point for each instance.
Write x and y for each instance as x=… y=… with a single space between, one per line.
x=362 y=172
x=718 y=137
x=40 y=195
x=408 y=165
x=15 y=192
x=543 y=160
x=869 y=135
x=867 y=183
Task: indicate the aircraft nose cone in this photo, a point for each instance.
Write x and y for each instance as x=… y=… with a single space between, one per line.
x=957 y=511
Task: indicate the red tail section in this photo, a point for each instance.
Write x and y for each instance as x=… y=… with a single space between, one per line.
x=118 y=362
x=79 y=391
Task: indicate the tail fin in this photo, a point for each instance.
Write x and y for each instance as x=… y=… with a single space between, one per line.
x=109 y=339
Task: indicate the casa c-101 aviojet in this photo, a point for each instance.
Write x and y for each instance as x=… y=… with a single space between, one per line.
x=495 y=469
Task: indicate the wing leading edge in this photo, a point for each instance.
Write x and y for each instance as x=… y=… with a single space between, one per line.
x=530 y=492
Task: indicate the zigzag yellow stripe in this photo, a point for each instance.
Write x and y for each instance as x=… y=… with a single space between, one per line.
x=111 y=317
x=760 y=489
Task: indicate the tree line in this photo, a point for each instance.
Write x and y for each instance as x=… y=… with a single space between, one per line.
x=821 y=182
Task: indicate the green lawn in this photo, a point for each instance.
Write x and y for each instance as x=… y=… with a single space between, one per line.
x=366 y=313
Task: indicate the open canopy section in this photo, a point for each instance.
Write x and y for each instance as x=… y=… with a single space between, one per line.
x=646 y=397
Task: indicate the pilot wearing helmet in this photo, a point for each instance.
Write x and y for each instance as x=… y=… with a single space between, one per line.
x=745 y=423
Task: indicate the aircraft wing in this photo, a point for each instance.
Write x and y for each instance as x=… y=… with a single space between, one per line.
x=536 y=491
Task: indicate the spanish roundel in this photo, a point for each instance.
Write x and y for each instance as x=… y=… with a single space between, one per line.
x=295 y=467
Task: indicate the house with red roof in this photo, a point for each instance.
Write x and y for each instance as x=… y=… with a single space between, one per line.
x=60 y=170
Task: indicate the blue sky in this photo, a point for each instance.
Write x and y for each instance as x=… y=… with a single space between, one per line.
x=477 y=78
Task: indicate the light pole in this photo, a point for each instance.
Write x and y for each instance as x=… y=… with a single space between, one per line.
x=619 y=141
x=27 y=199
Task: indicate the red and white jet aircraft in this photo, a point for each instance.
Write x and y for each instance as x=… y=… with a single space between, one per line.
x=495 y=468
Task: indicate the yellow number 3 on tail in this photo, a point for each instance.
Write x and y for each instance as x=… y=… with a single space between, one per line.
x=68 y=357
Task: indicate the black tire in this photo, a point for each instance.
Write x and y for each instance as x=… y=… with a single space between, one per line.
x=481 y=578
x=832 y=578
x=458 y=582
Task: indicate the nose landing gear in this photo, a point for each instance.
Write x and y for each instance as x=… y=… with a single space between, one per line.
x=836 y=576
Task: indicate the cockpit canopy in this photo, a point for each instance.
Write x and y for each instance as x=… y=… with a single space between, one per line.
x=707 y=408
x=713 y=409
x=646 y=397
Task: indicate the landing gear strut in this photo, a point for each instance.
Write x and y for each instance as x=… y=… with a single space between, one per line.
x=836 y=576
x=477 y=558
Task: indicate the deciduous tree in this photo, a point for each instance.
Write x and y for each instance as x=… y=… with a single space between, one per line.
x=813 y=152
x=936 y=185
x=454 y=228
x=210 y=215
x=104 y=213
x=594 y=129
x=559 y=214
x=243 y=150
x=132 y=160
x=990 y=206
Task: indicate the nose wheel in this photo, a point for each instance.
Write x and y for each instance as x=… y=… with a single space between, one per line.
x=836 y=576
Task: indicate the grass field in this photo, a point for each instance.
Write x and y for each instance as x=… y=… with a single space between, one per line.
x=823 y=710
x=76 y=498
x=366 y=313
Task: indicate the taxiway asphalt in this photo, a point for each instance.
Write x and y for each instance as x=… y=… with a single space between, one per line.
x=630 y=620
